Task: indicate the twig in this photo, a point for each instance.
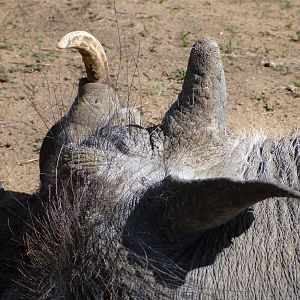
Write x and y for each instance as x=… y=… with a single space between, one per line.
x=25 y=162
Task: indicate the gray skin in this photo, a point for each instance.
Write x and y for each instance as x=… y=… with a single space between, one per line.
x=182 y=210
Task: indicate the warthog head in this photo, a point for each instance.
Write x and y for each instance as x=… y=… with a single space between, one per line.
x=176 y=210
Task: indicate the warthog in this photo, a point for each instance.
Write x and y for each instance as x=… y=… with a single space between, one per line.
x=181 y=210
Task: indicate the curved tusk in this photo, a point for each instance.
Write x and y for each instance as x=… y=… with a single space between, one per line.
x=92 y=53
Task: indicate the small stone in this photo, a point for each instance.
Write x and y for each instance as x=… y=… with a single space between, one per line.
x=291 y=88
x=3 y=78
x=270 y=63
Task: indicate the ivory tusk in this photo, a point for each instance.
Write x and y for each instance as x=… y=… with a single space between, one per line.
x=92 y=53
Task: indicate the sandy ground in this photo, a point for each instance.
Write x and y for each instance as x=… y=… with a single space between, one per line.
x=259 y=40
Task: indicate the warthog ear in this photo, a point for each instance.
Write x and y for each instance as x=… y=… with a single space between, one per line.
x=191 y=206
x=199 y=111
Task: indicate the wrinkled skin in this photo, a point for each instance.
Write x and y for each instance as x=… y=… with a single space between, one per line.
x=183 y=210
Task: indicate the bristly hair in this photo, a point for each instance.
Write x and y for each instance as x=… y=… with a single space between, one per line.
x=73 y=248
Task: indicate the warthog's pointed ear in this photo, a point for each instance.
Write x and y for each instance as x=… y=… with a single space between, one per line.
x=191 y=206
x=199 y=111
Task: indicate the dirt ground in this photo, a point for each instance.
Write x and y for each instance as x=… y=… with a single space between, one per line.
x=259 y=40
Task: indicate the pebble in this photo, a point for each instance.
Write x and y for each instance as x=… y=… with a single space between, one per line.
x=270 y=63
x=3 y=78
